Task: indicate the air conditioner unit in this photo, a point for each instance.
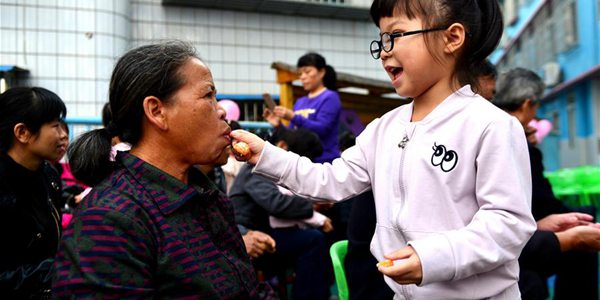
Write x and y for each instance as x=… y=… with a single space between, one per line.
x=552 y=74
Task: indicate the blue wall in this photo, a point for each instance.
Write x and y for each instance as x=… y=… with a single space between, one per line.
x=584 y=55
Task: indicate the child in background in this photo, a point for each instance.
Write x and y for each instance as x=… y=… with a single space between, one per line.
x=305 y=143
x=71 y=188
x=449 y=171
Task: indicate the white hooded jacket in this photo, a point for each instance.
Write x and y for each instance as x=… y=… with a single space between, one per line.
x=456 y=186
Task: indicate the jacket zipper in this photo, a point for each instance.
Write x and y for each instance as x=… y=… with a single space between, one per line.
x=402 y=145
x=55 y=217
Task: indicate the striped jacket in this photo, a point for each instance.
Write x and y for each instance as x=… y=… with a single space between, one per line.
x=144 y=234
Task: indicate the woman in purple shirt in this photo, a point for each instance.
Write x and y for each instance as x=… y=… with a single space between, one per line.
x=319 y=111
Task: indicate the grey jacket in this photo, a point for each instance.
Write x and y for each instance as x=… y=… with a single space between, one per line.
x=255 y=198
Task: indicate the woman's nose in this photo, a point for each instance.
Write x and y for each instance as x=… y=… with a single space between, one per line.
x=222 y=113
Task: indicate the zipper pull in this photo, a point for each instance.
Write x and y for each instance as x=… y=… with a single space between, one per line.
x=402 y=143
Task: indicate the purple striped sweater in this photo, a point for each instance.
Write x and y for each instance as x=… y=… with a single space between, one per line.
x=144 y=234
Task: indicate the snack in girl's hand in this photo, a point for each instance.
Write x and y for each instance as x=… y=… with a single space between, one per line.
x=385 y=263
x=241 y=151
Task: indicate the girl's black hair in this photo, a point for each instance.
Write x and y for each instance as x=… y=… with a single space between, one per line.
x=106 y=114
x=316 y=60
x=32 y=106
x=482 y=20
x=150 y=70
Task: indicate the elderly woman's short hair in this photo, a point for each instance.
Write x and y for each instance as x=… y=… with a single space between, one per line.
x=516 y=86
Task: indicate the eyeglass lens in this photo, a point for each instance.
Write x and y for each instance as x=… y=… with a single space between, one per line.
x=385 y=44
x=375 y=49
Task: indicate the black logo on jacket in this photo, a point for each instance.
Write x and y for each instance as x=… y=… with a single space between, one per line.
x=446 y=159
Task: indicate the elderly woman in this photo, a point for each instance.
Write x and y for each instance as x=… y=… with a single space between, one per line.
x=30 y=135
x=154 y=226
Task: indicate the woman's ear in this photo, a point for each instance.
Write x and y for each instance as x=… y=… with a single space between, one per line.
x=154 y=109
x=22 y=133
x=454 y=38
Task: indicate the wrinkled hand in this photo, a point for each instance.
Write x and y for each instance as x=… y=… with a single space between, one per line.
x=327 y=226
x=283 y=112
x=562 y=222
x=255 y=143
x=257 y=243
x=270 y=117
x=405 y=271
x=582 y=238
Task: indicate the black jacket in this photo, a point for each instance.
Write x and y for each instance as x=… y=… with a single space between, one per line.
x=364 y=280
x=255 y=198
x=542 y=257
x=30 y=229
x=543 y=247
x=543 y=201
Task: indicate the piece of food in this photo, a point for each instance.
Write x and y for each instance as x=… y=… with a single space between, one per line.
x=241 y=151
x=385 y=263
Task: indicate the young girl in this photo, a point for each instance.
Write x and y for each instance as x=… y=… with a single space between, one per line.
x=449 y=171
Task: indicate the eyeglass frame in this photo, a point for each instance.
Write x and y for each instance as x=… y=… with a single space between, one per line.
x=395 y=35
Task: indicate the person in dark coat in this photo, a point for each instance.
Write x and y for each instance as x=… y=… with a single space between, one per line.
x=256 y=198
x=30 y=225
x=566 y=241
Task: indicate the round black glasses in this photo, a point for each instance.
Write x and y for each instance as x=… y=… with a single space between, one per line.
x=387 y=40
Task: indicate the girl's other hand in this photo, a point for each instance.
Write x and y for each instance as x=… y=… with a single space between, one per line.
x=407 y=266
x=270 y=117
x=255 y=143
x=283 y=112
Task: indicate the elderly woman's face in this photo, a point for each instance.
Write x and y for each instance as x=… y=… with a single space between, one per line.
x=196 y=123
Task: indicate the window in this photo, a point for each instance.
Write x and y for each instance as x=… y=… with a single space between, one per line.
x=555 y=116
x=570 y=24
x=539 y=41
x=510 y=12
x=598 y=14
x=571 y=118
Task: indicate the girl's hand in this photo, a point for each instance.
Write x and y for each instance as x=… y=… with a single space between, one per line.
x=255 y=143
x=270 y=117
x=407 y=266
x=283 y=112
